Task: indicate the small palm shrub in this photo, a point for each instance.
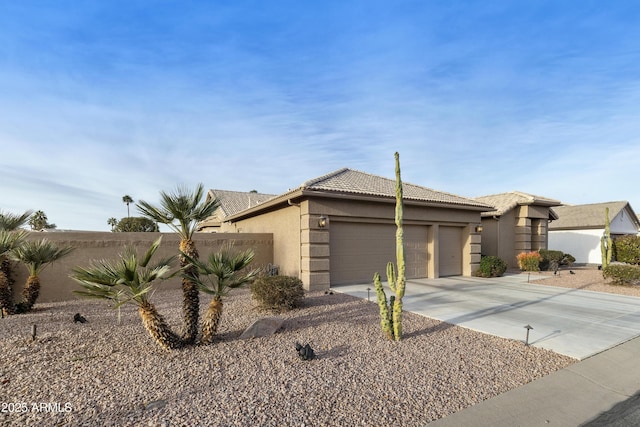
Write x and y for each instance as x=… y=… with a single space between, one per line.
x=529 y=261
x=627 y=249
x=278 y=293
x=217 y=275
x=622 y=274
x=130 y=279
x=36 y=256
x=491 y=266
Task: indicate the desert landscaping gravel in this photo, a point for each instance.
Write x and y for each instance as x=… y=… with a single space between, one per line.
x=105 y=373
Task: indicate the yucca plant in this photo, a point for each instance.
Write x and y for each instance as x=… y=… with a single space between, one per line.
x=130 y=279
x=182 y=210
x=222 y=271
x=8 y=241
x=36 y=255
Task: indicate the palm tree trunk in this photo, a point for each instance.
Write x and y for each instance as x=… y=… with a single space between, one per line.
x=190 y=295
x=6 y=296
x=211 y=320
x=30 y=294
x=157 y=327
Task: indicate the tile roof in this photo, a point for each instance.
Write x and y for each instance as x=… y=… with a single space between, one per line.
x=360 y=183
x=232 y=202
x=586 y=216
x=504 y=202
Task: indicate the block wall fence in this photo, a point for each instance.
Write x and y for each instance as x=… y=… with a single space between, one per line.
x=56 y=285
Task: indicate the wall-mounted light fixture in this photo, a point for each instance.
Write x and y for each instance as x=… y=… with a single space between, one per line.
x=478 y=229
x=322 y=221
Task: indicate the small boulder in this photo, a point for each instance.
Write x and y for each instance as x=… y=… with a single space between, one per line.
x=263 y=327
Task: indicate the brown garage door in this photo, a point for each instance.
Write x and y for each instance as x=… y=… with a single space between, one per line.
x=358 y=250
x=450 y=241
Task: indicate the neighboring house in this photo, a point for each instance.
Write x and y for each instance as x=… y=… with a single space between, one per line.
x=580 y=227
x=231 y=202
x=339 y=229
x=518 y=223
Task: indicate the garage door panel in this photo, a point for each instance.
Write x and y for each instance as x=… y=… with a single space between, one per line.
x=450 y=251
x=358 y=250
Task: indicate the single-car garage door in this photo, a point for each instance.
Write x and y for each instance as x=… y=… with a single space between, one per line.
x=358 y=250
x=450 y=243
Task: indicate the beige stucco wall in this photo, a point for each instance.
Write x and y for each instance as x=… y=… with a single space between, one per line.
x=498 y=237
x=55 y=281
x=284 y=225
x=522 y=229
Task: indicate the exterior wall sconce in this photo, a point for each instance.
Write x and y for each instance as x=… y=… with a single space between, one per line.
x=322 y=221
x=478 y=229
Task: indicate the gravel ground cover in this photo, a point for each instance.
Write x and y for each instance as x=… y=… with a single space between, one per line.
x=105 y=373
x=585 y=278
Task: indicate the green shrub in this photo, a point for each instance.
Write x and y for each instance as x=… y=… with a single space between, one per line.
x=529 y=261
x=622 y=274
x=278 y=293
x=552 y=260
x=568 y=259
x=627 y=249
x=491 y=266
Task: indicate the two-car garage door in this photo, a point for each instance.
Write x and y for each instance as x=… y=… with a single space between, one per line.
x=358 y=250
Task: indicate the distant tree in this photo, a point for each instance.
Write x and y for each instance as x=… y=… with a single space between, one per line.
x=38 y=221
x=112 y=222
x=127 y=199
x=136 y=224
x=253 y=191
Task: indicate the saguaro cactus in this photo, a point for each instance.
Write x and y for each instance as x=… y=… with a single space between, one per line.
x=391 y=310
x=606 y=244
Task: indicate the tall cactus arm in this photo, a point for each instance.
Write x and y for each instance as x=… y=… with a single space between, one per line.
x=385 y=318
x=391 y=276
x=400 y=282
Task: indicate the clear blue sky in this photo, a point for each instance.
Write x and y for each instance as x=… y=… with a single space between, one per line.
x=99 y=99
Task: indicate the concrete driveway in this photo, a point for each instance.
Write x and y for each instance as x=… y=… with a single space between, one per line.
x=567 y=321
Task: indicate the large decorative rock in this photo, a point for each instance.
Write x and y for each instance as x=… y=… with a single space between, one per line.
x=263 y=327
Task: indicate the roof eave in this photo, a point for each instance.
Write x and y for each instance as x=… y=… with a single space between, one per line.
x=271 y=204
x=294 y=196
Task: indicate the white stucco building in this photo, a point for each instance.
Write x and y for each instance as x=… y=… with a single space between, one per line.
x=579 y=228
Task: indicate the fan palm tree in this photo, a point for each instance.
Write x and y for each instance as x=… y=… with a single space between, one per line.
x=127 y=199
x=36 y=256
x=130 y=280
x=8 y=241
x=112 y=222
x=39 y=221
x=221 y=272
x=182 y=210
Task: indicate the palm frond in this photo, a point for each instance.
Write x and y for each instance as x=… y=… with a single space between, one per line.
x=150 y=252
x=181 y=209
x=123 y=280
x=11 y=222
x=223 y=270
x=11 y=239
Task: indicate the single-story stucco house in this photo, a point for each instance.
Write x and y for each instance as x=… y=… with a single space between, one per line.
x=579 y=228
x=339 y=229
x=517 y=223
